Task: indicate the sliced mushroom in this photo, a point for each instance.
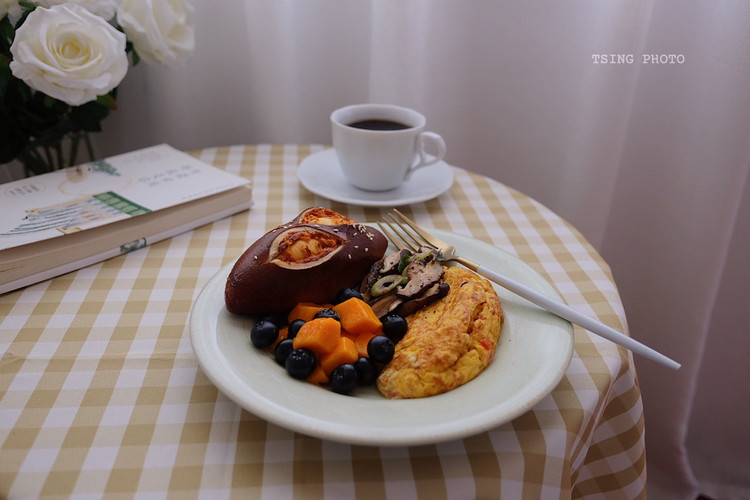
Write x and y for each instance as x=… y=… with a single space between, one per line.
x=435 y=292
x=372 y=276
x=421 y=276
x=391 y=261
x=385 y=305
x=404 y=282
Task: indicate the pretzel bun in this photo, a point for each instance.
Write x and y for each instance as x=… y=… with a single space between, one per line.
x=310 y=259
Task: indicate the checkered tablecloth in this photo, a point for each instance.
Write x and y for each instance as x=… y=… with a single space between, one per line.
x=101 y=394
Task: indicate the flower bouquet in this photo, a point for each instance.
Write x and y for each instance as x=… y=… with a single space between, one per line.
x=62 y=61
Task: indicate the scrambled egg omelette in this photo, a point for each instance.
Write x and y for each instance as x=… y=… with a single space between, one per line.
x=448 y=343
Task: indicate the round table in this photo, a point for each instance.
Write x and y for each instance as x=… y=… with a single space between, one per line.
x=101 y=393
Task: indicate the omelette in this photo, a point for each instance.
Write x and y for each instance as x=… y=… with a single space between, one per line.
x=448 y=343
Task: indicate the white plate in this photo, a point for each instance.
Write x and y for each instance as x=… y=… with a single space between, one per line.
x=321 y=174
x=533 y=353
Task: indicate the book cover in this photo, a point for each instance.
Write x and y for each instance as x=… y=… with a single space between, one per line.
x=64 y=220
x=105 y=191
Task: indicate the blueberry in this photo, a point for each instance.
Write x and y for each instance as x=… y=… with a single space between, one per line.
x=327 y=313
x=381 y=349
x=367 y=372
x=264 y=333
x=294 y=327
x=394 y=327
x=273 y=318
x=282 y=351
x=343 y=379
x=300 y=363
x=346 y=294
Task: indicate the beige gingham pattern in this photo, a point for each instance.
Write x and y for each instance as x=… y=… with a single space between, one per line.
x=101 y=394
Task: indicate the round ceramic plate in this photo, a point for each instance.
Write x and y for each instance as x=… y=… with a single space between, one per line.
x=321 y=174
x=532 y=355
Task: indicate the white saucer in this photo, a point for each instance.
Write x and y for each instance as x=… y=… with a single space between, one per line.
x=321 y=174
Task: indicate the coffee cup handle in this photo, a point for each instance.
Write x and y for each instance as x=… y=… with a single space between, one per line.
x=423 y=159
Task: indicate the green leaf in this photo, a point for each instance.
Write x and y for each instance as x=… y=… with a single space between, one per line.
x=134 y=57
x=6 y=28
x=108 y=101
x=5 y=75
x=27 y=5
x=89 y=116
x=7 y=34
x=48 y=101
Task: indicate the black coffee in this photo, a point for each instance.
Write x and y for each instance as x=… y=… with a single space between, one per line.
x=375 y=124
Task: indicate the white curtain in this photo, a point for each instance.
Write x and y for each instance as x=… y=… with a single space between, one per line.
x=650 y=161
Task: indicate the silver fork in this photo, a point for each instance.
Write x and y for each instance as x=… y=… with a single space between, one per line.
x=404 y=233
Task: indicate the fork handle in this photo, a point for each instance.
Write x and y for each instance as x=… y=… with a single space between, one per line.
x=570 y=314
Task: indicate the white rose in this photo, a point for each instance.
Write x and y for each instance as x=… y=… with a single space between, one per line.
x=161 y=30
x=69 y=54
x=103 y=8
x=12 y=9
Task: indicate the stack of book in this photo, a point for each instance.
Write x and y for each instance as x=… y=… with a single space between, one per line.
x=62 y=221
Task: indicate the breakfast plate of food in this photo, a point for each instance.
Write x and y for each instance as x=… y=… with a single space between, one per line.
x=321 y=328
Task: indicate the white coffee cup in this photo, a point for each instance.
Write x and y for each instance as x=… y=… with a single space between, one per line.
x=379 y=160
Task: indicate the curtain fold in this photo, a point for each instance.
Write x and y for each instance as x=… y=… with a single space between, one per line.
x=650 y=161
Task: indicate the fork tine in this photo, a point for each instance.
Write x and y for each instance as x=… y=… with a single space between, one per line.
x=396 y=240
x=400 y=238
x=428 y=240
x=415 y=239
x=408 y=236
